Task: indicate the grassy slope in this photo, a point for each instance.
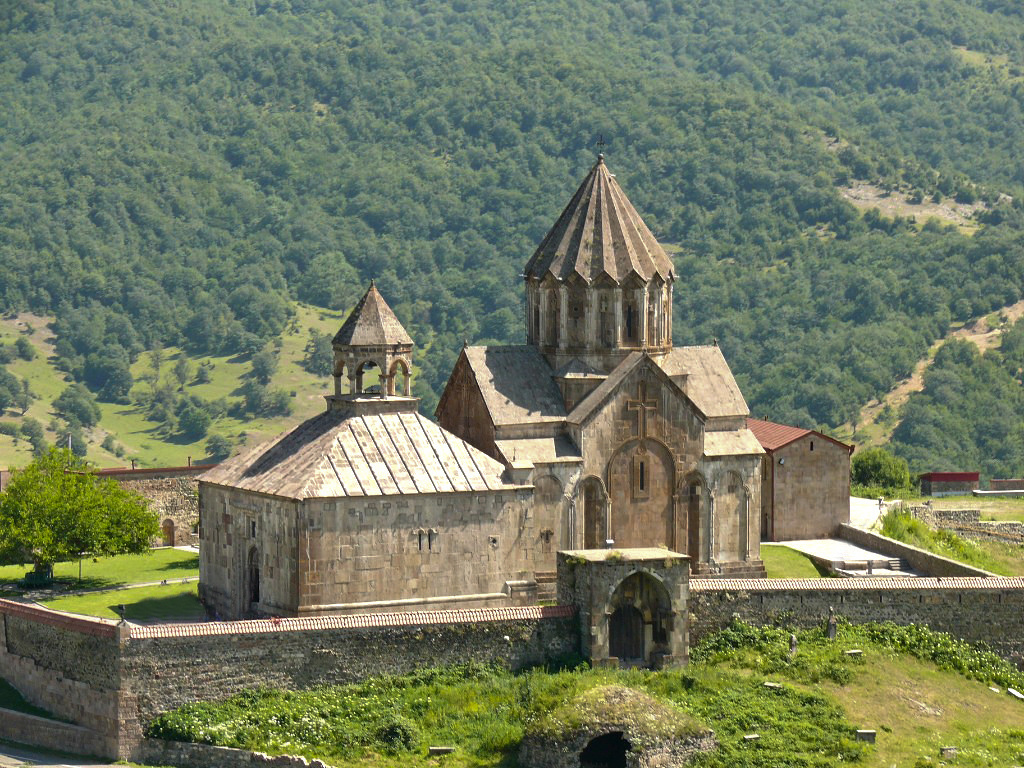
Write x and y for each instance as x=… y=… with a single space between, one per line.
x=171 y=602
x=144 y=440
x=781 y=562
x=914 y=706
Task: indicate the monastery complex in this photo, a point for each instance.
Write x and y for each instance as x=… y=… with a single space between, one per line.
x=597 y=438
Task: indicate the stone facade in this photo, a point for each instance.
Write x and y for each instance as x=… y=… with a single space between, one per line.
x=366 y=554
x=968 y=523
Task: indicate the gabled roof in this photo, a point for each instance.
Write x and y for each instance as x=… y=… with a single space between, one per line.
x=335 y=454
x=709 y=380
x=371 y=324
x=600 y=233
x=592 y=402
x=773 y=436
x=516 y=384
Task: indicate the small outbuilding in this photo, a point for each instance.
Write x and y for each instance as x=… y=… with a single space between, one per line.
x=948 y=483
x=805 y=482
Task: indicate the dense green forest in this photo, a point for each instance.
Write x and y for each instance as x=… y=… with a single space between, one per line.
x=175 y=173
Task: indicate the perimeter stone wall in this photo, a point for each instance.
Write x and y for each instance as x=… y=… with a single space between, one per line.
x=975 y=609
x=968 y=523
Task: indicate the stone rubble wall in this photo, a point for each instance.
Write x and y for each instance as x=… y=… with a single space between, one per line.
x=968 y=523
x=186 y=755
x=172 y=498
x=977 y=610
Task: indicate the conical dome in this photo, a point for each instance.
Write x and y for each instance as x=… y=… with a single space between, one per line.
x=600 y=233
x=371 y=323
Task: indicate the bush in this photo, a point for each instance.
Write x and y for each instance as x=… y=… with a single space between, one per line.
x=876 y=467
x=397 y=733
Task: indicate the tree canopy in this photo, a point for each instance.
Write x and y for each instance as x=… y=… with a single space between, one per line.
x=57 y=509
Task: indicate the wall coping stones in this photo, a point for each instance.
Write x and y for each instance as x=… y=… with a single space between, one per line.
x=86 y=625
x=857 y=584
x=369 y=620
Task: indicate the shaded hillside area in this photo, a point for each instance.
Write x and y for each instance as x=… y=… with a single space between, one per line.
x=176 y=175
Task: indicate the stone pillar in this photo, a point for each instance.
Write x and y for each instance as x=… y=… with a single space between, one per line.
x=337 y=384
x=617 y=297
x=531 y=298
x=542 y=329
x=563 y=315
x=642 y=311
x=593 y=306
x=666 y=315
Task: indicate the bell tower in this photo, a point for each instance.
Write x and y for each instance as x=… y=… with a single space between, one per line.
x=372 y=344
x=599 y=286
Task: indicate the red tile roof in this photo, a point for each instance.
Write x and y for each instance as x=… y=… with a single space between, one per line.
x=951 y=477
x=773 y=436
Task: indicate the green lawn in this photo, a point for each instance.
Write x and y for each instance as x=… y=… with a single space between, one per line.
x=781 y=562
x=155 y=565
x=173 y=602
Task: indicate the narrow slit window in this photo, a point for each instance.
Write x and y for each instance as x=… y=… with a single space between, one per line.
x=812 y=445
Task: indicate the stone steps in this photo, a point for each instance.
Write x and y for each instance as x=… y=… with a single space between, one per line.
x=547 y=587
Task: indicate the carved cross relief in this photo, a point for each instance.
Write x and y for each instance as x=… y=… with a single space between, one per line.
x=642 y=405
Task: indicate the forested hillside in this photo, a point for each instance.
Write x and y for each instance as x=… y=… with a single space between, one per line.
x=176 y=173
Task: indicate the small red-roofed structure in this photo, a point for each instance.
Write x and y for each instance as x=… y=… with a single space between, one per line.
x=948 y=483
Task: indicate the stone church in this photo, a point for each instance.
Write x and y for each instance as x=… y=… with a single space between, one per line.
x=597 y=434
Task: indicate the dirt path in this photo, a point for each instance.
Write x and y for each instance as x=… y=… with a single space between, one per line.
x=977 y=331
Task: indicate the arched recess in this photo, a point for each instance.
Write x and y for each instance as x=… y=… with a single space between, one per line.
x=399 y=379
x=697 y=503
x=639 y=620
x=595 y=503
x=641 y=479
x=367 y=374
x=252 y=579
x=577 y=320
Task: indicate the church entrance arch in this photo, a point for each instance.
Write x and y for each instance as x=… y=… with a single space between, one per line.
x=641 y=479
x=639 y=620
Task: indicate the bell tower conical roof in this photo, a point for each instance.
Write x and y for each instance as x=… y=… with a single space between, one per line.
x=371 y=323
x=600 y=233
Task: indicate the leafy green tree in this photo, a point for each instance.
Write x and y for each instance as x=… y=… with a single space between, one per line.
x=877 y=468
x=218 y=447
x=56 y=508
x=318 y=357
x=77 y=403
x=264 y=365
x=25 y=349
x=193 y=422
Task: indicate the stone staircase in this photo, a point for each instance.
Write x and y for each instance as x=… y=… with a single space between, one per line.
x=546 y=586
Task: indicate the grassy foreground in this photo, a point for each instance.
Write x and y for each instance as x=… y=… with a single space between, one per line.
x=919 y=690
x=97 y=572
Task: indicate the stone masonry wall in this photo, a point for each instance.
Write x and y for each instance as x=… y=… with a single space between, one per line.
x=172 y=494
x=989 y=610
x=49 y=734
x=66 y=665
